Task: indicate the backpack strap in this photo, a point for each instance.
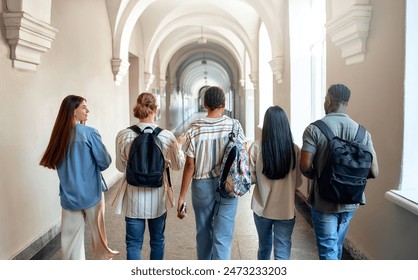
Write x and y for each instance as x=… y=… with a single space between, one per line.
x=361 y=133
x=325 y=129
x=157 y=130
x=233 y=134
x=136 y=129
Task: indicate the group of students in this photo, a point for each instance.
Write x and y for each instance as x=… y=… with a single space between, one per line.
x=276 y=163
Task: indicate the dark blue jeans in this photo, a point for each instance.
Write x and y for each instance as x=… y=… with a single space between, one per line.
x=134 y=239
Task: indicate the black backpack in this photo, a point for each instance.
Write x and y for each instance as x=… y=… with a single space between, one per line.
x=146 y=163
x=346 y=170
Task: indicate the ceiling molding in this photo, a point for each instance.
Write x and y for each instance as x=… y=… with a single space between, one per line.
x=349 y=31
x=119 y=68
x=28 y=38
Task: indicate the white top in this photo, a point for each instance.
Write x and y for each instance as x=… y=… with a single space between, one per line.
x=144 y=202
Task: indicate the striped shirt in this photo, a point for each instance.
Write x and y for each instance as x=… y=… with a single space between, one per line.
x=144 y=202
x=206 y=141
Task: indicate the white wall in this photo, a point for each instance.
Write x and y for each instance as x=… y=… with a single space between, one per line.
x=77 y=63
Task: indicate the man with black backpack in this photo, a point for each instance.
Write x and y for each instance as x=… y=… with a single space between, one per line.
x=338 y=154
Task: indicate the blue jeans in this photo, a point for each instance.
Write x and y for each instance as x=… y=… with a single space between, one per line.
x=279 y=231
x=330 y=231
x=215 y=219
x=134 y=239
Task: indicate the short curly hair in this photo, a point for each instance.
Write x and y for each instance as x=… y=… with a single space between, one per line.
x=339 y=93
x=214 y=98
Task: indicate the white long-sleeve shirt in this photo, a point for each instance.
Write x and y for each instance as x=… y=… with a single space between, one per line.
x=143 y=202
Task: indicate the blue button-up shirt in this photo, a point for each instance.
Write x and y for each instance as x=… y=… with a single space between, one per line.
x=79 y=172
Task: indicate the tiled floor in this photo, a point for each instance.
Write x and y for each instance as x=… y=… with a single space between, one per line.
x=180 y=234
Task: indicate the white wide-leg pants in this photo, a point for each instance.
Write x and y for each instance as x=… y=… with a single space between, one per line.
x=72 y=233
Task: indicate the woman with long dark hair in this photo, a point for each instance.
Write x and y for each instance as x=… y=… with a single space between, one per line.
x=274 y=165
x=78 y=154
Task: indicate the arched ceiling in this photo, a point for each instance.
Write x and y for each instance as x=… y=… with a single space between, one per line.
x=170 y=30
x=203 y=69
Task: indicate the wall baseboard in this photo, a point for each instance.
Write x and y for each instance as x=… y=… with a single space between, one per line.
x=38 y=244
x=354 y=251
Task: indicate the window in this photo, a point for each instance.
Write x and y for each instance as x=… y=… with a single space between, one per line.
x=407 y=194
x=307 y=50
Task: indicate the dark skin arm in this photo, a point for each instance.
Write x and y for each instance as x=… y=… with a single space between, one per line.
x=374 y=169
x=187 y=177
x=306 y=167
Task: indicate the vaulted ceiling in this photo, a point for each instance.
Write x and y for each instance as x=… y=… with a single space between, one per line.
x=197 y=42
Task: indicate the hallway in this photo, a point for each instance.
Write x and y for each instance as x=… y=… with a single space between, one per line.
x=263 y=53
x=180 y=234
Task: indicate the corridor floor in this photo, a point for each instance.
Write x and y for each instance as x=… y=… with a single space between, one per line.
x=180 y=234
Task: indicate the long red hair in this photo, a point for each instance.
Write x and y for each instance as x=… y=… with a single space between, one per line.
x=61 y=133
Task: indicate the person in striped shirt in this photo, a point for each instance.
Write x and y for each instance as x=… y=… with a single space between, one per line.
x=205 y=144
x=142 y=205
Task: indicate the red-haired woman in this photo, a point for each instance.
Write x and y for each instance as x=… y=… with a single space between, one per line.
x=78 y=154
